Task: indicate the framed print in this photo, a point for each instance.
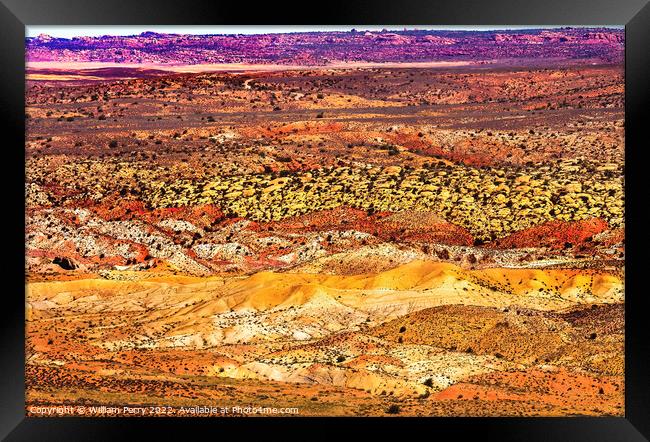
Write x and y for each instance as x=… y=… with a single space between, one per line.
x=415 y=215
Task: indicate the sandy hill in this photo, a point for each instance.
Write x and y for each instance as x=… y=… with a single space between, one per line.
x=417 y=284
x=519 y=335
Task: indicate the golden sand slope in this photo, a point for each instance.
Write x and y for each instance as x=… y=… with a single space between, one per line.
x=419 y=284
x=376 y=333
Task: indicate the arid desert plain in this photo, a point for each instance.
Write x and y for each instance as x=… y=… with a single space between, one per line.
x=385 y=223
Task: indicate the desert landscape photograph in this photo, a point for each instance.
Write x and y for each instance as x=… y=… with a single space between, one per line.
x=324 y=221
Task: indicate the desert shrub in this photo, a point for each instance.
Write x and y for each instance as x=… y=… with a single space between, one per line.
x=393 y=409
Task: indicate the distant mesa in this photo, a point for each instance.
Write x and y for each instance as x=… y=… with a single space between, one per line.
x=439 y=40
x=44 y=38
x=604 y=37
x=316 y=48
x=149 y=34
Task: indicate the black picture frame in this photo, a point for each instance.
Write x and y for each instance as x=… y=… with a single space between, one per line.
x=634 y=14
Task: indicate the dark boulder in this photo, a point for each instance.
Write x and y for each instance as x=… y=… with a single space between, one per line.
x=64 y=263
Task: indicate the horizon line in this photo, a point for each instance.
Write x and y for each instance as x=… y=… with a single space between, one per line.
x=69 y=32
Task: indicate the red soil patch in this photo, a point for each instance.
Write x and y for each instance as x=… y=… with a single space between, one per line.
x=591 y=394
x=553 y=234
x=119 y=209
x=345 y=218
